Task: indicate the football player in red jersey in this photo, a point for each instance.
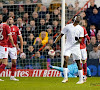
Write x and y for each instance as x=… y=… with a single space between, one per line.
x=84 y=53
x=5 y=35
x=12 y=51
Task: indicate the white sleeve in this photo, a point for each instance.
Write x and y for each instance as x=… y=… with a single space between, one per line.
x=64 y=30
x=81 y=32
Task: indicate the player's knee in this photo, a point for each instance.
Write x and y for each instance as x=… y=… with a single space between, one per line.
x=14 y=62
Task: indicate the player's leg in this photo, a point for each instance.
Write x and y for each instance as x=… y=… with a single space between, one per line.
x=77 y=57
x=84 y=59
x=3 y=58
x=67 y=54
x=13 y=56
x=13 y=69
x=80 y=72
x=84 y=70
x=65 y=69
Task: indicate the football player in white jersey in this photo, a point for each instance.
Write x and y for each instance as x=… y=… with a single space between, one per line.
x=74 y=34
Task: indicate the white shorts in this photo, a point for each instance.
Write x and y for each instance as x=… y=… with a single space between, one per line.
x=12 y=52
x=84 y=54
x=3 y=52
x=75 y=51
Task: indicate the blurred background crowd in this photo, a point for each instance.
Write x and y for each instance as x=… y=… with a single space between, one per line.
x=40 y=24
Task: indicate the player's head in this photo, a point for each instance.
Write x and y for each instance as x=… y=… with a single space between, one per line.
x=5 y=18
x=10 y=21
x=76 y=19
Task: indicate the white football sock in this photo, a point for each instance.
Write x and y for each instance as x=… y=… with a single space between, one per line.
x=65 y=70
x=80 y=73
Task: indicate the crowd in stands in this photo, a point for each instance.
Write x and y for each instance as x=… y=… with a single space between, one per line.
x=40 y=25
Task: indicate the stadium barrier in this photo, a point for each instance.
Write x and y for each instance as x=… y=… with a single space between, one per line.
x=94 y=66
x=32 y=73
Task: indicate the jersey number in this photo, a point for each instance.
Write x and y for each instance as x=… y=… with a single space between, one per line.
x=1 y=36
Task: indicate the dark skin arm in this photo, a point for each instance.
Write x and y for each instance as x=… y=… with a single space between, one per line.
x=58 y=38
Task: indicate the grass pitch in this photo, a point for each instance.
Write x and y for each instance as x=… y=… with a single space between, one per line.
x=49 y=83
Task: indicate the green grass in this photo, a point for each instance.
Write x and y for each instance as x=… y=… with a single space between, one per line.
x=49 y=83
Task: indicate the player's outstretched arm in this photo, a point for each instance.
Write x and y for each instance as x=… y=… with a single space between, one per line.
x=11 y=40
x=21 y=43
x=58 y=38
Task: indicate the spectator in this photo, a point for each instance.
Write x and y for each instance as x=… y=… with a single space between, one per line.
x=31 y=39
x=48 y=20
x=56 y=27
x=38 y=8
x=29 y=52
x=94 y=18
x=54 y=5
x=50 y=41
x=84 y=23
x=37 y=60
x=59 y=18
x=92 y=31
x=20 y=12
x=58 y=54
x=11 y=14
x=1 y=18
x=77 y=8
x=95 y=54
x=55 y=14
x=20 y=23
x=5 y=11
x=35 y=18
x=83 y=15
x=90 y=46
x=98 y=39
x=70 y=12
x=46 y=50
x=26 y=32
x=43 y=12
x=28 y=7
x=89 y=10
x=43 y=38
x=12 y=7
x=49 y=30
x=38 y=56
x=32 y=24
x=1 y=7
x=42 y=26
x=59 y=10
x=25 y=18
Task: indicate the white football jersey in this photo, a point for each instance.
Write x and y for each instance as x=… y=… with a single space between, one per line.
x=71 y=32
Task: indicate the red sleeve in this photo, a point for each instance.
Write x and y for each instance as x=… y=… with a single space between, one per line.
x=18 y=31
x=7 y=30
x=85 y=34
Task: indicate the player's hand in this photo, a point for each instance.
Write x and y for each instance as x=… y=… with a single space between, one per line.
x=21 y=50
x=14 y=45
x=88 y=42
x=54 y=45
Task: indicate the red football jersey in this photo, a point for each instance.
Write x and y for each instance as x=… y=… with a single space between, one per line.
x=82 y=44
x=15 y=32
x=4 y=32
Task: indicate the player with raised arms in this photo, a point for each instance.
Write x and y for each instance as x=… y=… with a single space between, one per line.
x=74 y=34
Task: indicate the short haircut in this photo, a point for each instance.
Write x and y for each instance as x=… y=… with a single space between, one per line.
x=5 y=18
